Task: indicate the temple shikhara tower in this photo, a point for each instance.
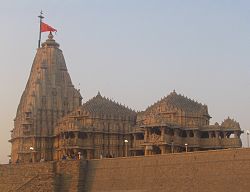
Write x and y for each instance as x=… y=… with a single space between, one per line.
x=48 y=96
x=51 y=122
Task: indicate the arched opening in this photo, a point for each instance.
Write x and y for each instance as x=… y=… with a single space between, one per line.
x=156 y=149
x=156 y=130
x=191 y=133
x=213 y=134
x=140 y=136
x=71 y=135
x=221 y=135
x=170 y=132
x=66 y=135
x=183 y=134
x=204 y=134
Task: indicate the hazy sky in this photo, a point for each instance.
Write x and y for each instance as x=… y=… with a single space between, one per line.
x=134 y=51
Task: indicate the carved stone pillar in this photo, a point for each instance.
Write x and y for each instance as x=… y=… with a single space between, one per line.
x=209 y=134
x=75 y=137
x=236 y=134
x=88 y=139
x=162 y=133
x=89 y=156
x=217 y=134
x=163 y=149
x=224 y=134
x=146 y=135
x=148 y=150
x=134 y=140
x=188 y=133
x=195 y=133
x=176 y=132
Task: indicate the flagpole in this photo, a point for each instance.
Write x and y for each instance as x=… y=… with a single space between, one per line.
x=41 y=17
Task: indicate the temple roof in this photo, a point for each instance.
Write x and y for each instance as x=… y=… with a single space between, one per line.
x=181 y=102
x=230 y=123
x=103 y=106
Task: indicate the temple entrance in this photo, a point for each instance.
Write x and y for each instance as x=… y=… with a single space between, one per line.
x=156 y=150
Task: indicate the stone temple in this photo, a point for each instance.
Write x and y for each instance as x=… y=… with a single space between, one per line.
x=52 y=123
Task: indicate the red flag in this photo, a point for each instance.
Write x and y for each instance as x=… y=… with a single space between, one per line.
x=45 y=27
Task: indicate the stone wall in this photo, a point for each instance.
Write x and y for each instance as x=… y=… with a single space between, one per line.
x=70 y=175
x=27 y=177
x=223 y=170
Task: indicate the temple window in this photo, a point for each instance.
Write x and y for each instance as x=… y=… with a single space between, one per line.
x=66 y=135
x=71 y=135
x=191 y=134
x=170 y=132
x=183 y=134
x=82 y=135
x=27 y=115
x=213 y=135
x=156 y=149
x=140 y=136
x=156 y=130
x=204 y=134
x=231 y=135
x=221 y=135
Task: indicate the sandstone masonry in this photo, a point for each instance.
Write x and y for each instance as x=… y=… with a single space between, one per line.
x=220 y=171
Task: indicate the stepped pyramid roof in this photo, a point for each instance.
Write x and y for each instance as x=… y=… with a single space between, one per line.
x=180 y=102
x=103 y=106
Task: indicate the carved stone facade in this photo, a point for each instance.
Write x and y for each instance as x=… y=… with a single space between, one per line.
x=97 y=129
x=177 y=124
x=51 y=123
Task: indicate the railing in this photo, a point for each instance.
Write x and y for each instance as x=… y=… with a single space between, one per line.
x=231 y=142
x=177 y=140
x=220 y=142
x=210 y=142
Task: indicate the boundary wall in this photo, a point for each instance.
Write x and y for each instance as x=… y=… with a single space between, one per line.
x=217 y=171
